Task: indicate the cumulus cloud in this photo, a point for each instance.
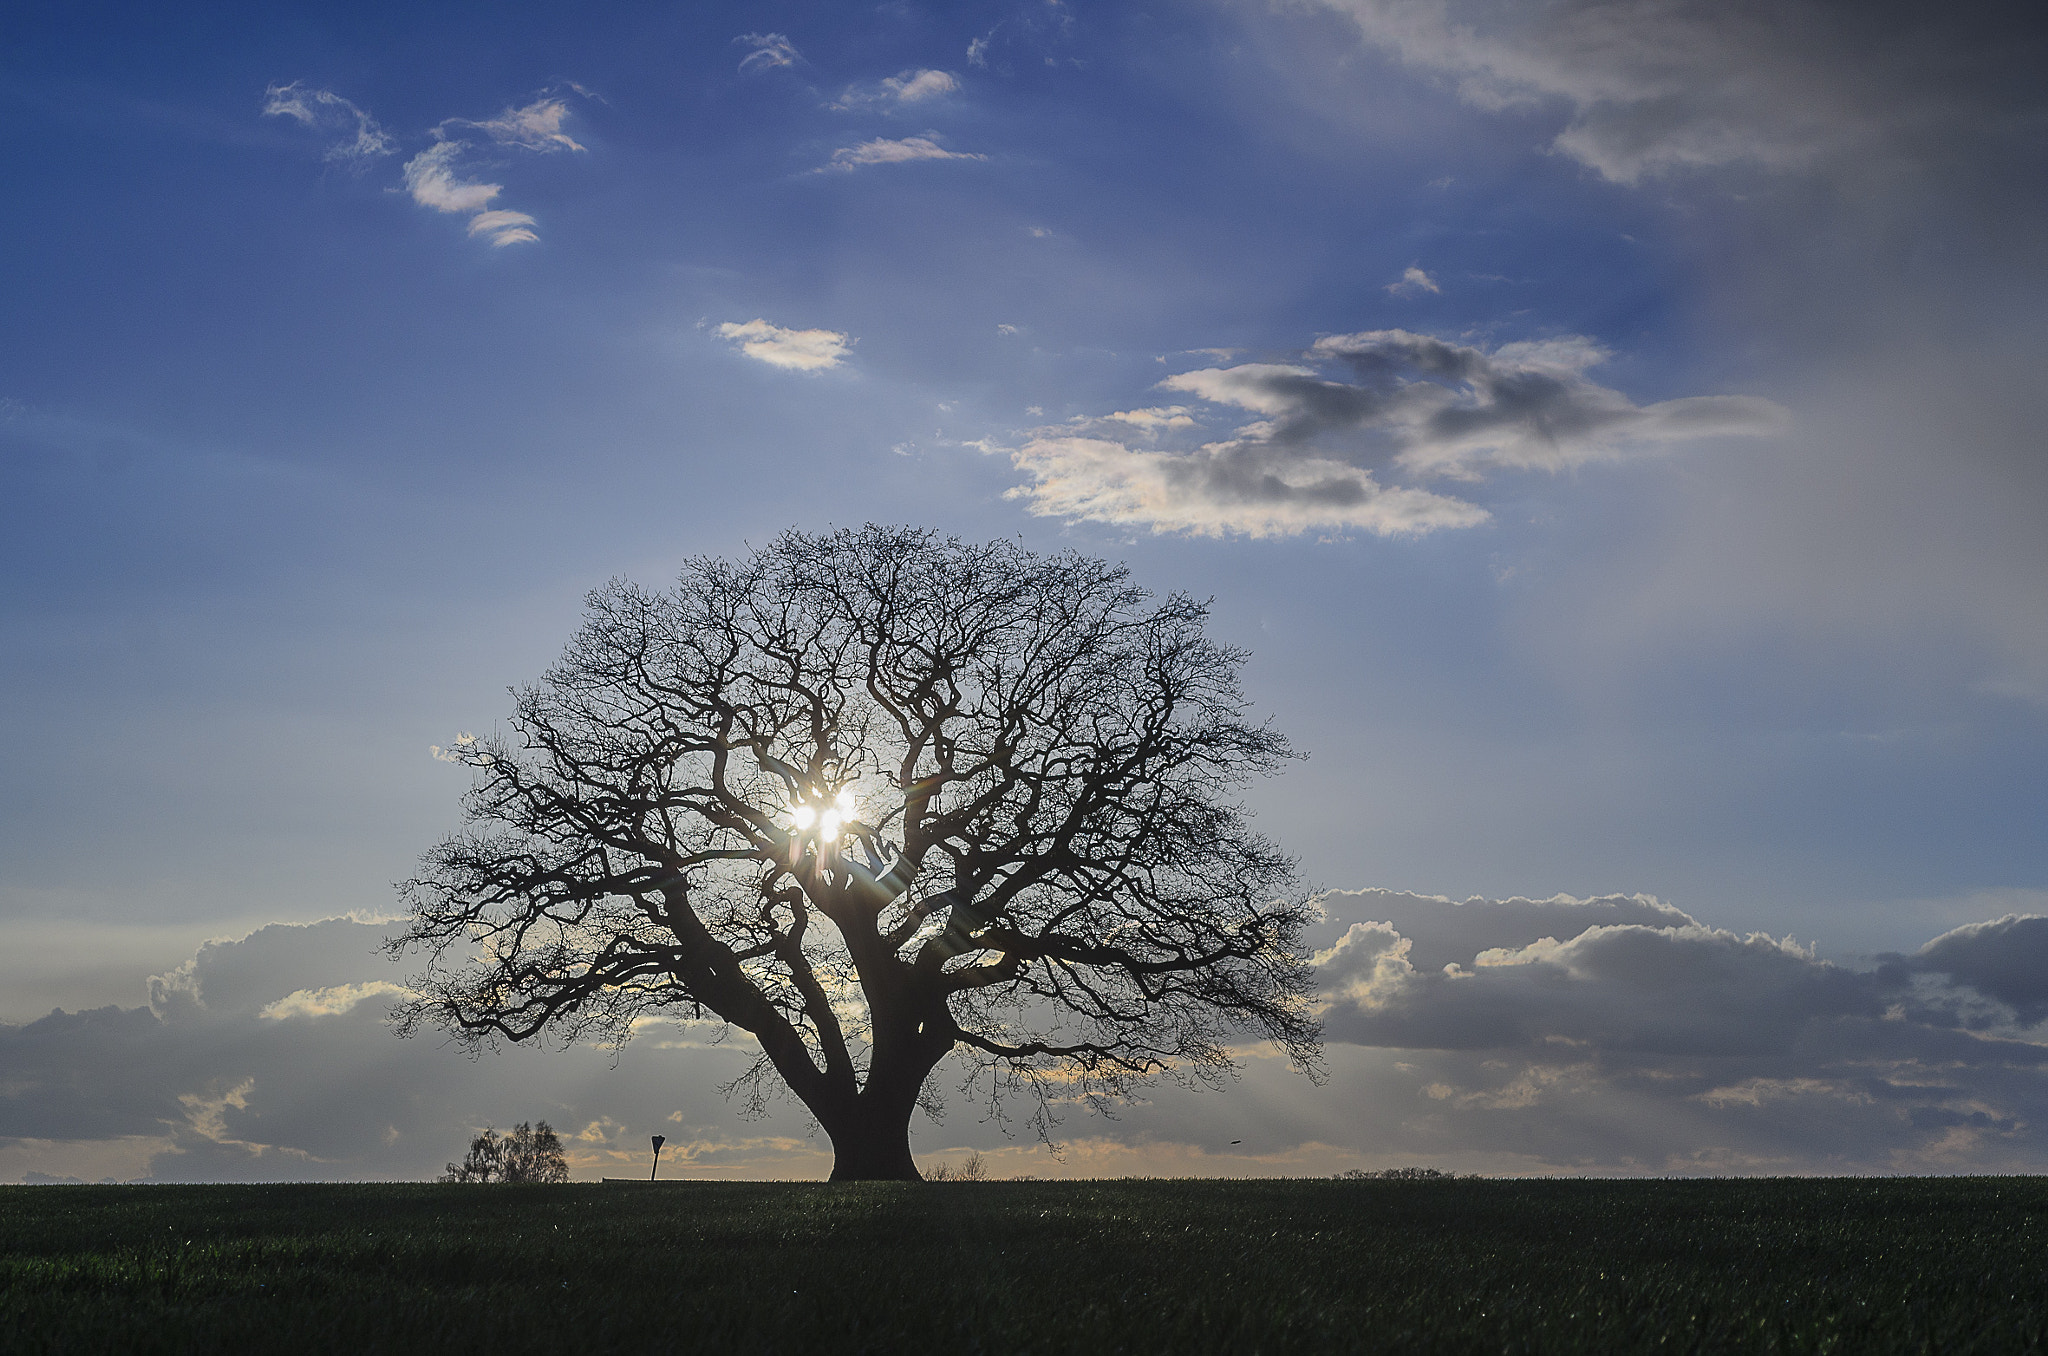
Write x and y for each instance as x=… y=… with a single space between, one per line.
x=799 y=350
x=1659 y=85
x=362 y=140
x=1412 y=282
x=1622 y=1032
x=883 y=151
x=769 y=50
x=1400 y=403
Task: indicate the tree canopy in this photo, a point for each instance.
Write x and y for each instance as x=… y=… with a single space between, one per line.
x=875 y=797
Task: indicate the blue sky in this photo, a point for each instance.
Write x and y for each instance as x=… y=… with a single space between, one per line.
x=1614 y=429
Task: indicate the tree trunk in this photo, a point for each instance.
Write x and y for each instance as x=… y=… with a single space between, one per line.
x=873 y=1148
x=871 y=1131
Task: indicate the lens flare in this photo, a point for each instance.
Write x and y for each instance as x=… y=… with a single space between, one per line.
x=802 y=816
x=844 y=801
x=828 y=826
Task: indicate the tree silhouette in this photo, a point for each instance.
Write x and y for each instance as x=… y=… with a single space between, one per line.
x=875 y=797
x=531 y=1153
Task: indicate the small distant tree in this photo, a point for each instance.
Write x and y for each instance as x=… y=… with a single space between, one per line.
x=973 y=1168
x=531 y=1153
x=875 y=798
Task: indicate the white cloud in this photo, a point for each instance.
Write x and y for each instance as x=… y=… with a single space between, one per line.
x=770 y=50
x=433 y=177
x=908 y=87
x=502 y=227
x=1156 y=418
x=883 y=151
x=915 y=86
x=1413 y=406
x=1412 y=282
x=977 y=52
x=329 y=1002
x=799 y=350
x=430 y=177
x=536 y=127
x=324 y=110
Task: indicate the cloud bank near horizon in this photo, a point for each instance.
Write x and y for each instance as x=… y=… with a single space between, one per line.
x=1613 y=1034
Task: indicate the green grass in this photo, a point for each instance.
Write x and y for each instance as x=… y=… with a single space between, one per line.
x=1851 y=1266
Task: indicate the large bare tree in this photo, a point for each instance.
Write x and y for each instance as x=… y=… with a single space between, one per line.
x=875 y=797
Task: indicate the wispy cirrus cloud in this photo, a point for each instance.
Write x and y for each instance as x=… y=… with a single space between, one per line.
x=1354 y=410
x=362 y=140
x=536 y=127
x=906 y=87
x=434 y=177
x=796 y=350
x=769 y=50
x=501 y=227
x=883 y=151
x=431 y=178
x=437 y=177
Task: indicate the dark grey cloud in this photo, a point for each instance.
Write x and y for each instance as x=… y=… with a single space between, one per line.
x=1652 y=86
x=2005 y=960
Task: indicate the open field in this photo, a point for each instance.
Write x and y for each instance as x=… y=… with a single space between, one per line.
x=1841 y=1265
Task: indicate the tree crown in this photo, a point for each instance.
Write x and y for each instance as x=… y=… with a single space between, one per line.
x=877 y=789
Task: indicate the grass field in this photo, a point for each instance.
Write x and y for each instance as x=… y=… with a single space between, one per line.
x=1851 y=1266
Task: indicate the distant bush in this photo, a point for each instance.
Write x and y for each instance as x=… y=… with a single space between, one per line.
x=531 y=1153
x=1397 y=1175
